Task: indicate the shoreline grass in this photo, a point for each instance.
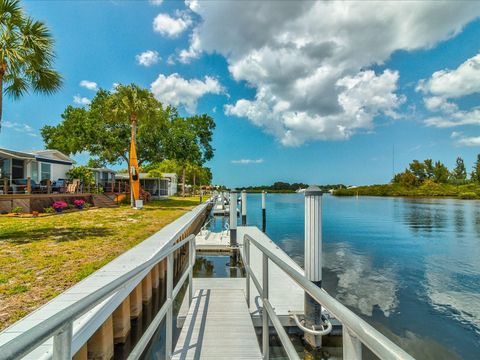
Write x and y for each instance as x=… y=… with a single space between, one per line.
x=428 y=189
x=42 y=257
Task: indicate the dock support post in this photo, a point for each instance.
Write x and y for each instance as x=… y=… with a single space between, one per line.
x=313 y=259
x=244 y=208
x=264 y=211
x=100 y=345
x=136 y=302
x=147 y=288
x=121 y=322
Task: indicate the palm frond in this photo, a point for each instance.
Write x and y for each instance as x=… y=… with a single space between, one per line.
x=46 y=81
x=16 y=86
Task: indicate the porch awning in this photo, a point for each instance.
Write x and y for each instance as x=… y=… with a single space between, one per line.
x=16 y=154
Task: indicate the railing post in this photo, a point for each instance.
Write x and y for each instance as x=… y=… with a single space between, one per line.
x=246 y=244
x=29 y=185
x=352 y=346
x=265 y=320
x=313 y=259
x=191 y=260
x=244 y=208
x=169 y=319
x=62 y=344
x=264 y=211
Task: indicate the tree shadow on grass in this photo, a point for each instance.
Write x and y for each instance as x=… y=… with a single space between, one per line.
x=171 y=204
x=26 y=236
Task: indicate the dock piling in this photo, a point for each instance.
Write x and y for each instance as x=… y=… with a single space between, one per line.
x=233 y=218
x=313 y=259
x=264 y=211
x=244 y=208
x=233 y=230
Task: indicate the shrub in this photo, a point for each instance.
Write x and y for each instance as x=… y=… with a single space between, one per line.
x=17 y=210
x=87 y=205
x=468 y=195
x=60 y=205
x=71 y=206
x=49 y=210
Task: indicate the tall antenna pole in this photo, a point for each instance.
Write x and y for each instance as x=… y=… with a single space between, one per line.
x=393 y=161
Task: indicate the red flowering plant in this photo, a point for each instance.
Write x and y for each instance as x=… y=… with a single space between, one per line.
x=59 y=205
x=79 y=203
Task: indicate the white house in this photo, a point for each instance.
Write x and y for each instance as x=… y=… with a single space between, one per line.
x=37 y=165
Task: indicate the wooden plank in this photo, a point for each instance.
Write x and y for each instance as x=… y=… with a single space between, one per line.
x=218 y=326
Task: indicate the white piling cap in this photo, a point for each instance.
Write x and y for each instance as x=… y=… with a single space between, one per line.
x=313 y=191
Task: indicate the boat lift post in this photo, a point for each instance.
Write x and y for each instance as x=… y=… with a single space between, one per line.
x=244 y=208
x=313 y=260
x=264 y=211
x=233 y=228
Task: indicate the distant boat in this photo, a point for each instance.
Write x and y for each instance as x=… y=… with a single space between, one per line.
x=300 y=190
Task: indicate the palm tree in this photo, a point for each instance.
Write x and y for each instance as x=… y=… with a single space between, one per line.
x=26 y=54
x=134 y=103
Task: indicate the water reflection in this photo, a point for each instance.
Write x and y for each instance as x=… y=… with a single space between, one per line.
x=360 y=284
x=424 y=218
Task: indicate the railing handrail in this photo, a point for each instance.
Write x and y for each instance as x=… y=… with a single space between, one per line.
x=35 y=336
x=378 y=343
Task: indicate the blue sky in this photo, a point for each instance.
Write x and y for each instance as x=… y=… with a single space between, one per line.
x=296 y=96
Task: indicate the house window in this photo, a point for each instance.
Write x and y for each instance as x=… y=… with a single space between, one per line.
x=34 y=167
x=17 y=169
x=46 y=171
x=4 y=168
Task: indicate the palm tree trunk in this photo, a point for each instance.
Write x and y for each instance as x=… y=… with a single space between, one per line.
x=2 y=73
x=183 y=181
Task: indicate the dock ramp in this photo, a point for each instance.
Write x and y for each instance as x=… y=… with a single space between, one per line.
x=218 y=326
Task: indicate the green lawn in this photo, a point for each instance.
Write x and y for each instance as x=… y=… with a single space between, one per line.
x=41 y=257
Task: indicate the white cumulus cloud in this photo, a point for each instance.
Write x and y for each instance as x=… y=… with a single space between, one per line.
x=445 y=85
x=464 y=80
x=247 y=161
x=77 y=99
x=90 y=85
x=463 y=140
x=309 y=61
x=171 y=26
x=175 y=90
x=148 y=58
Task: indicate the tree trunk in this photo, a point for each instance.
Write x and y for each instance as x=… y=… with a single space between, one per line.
x=194 y=180
x=183 y=181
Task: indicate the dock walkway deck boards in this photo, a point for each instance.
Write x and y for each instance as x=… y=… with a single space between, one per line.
x=218 y=326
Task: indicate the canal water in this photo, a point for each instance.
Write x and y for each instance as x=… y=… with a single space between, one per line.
x=410 y=267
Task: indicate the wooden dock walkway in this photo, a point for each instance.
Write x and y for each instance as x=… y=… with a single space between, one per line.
x=218 y=326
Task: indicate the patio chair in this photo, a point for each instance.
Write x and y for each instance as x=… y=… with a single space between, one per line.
x=73 y=187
